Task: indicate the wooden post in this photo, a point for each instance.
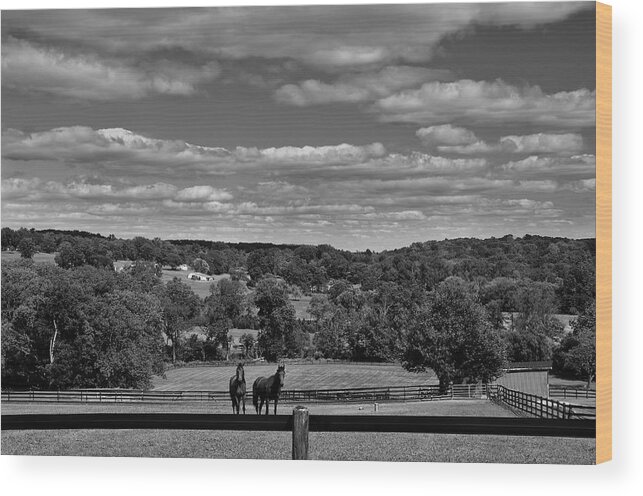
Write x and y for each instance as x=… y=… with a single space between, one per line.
x=300 y=433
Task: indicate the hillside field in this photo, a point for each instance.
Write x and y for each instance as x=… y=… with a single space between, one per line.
x=322 y=376
x=200 y=288
x=38 y=257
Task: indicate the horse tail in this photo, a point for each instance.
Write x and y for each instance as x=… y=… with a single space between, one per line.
x=255 y=394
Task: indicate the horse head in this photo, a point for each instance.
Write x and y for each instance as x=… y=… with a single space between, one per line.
x=240 y=372
x=281 y=373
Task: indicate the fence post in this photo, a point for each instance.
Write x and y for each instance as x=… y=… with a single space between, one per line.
x=300 y=433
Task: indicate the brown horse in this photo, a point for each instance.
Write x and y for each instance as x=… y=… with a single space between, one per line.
x=268 y=389
x=238 y=390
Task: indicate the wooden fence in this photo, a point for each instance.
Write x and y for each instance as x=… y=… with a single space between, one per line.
x=288 y=361
x=382 y=394
x=540 y=407
x=301 y=422
x=556 y=391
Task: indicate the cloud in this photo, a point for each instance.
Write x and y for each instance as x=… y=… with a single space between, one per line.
x=481 y=102
x=35 y=188
x=122 y=150
x=329 y=38
x=29 y=67
x=328 y=155
x=451 y=139
x=355 y=88
x=577 y=165
x=446 y=134
x=202 y=194
x=582 y=185
x=543 y=143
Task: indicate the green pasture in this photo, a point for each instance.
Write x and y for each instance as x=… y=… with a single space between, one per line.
x=305 y=376
x=38 y=257
x=323 y=446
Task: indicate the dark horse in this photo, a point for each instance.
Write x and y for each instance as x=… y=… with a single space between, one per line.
x=238 y=390
x=268 y=389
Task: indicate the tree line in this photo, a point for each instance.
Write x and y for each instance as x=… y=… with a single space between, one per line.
x=462 y=308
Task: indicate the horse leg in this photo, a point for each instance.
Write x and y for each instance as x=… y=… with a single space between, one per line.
x=243 y=398
x=260 y=404
x=267 y=406
x=276 y=400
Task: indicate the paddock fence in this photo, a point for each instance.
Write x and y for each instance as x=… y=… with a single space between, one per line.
x=537 y=406
x=429 y=392
x=556 y=391
x=507 y=426
x=287 y=361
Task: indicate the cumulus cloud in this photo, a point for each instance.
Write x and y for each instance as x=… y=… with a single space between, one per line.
x=121 y=149
x=355 y=88
x=576 y=165
x=202 y=194
x=446 y=134
x=13 y=188
x=489 y=103
x=29 y=67
x=542 y=143
x=451 y=139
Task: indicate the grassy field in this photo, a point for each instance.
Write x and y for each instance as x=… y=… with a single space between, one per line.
x=277 y=445
x=323 y=376
x=476 y=408
x=201 y=288
x=38 y=257
x=323 y=446
x=301 y=307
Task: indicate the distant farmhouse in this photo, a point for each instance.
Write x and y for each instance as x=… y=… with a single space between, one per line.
x=199 y=276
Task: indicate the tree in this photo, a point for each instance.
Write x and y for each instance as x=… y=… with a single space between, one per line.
x=535 y=328
x=248 y=342
x=279 y=336
x=27 y=248
x=180 y=307
x=223 y=308
x=120 y=344
x=200 y=265
x=453 y=337
x=69 y=256
x=576 y=355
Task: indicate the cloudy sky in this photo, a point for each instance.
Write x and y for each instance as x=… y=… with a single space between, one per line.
x=358 y=126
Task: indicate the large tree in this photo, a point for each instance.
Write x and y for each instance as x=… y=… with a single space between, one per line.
x=180 y=308
x=27 y=247
x=280 y=335
x=576 y=355
x=452 y=336
x=223 y=308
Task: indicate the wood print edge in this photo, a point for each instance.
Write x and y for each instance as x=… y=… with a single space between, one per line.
x=603 y=232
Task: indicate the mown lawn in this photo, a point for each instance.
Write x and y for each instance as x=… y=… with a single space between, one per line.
x=321 y=376
x=323 y=446
x=277 y=445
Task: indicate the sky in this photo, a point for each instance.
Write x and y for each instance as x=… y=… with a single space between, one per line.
x=356 y=126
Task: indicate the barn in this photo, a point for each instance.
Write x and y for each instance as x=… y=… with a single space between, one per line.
x=528 y=377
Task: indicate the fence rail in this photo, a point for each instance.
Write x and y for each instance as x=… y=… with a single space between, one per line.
x=556 y=391
x=288 y=361
x=390 y=393
x=540 y=407
x=317 y=423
